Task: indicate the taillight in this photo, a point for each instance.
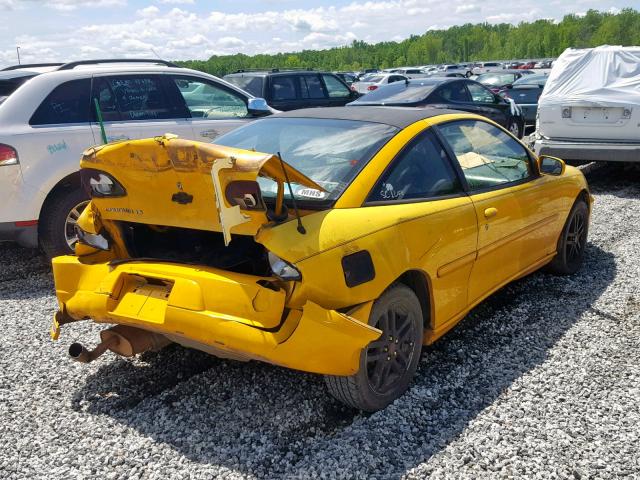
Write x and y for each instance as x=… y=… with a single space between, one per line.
x=98 y=184
x=8 y=155
x=372 y=87
x=353 y=88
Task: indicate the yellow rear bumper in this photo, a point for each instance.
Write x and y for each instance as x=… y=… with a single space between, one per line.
x=236 y=313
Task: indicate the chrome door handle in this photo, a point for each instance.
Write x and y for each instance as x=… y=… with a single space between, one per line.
x=490 y=212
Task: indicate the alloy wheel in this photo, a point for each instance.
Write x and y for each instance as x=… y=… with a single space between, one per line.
x=388 y=358
x=576 y=237
x=70 y=222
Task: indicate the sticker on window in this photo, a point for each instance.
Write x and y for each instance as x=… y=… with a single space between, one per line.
x=310 y=193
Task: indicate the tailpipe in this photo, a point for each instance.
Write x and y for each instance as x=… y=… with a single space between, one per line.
x=121 y=339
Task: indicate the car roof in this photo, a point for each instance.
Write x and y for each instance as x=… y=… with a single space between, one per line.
x=399 y=117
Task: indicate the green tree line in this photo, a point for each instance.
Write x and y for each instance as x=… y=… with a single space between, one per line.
x=469 y=42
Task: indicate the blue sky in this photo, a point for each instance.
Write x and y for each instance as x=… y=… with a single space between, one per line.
x=57 y=30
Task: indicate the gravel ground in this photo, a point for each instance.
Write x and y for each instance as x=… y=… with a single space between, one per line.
x=540 y=381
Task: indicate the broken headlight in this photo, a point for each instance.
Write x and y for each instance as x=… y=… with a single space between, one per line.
x=94 y=240
x=282 y=269
x=100 y=184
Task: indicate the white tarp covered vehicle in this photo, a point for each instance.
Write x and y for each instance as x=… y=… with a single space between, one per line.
x=590 y=106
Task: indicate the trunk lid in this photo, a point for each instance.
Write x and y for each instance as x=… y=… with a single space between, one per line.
x=169 y=181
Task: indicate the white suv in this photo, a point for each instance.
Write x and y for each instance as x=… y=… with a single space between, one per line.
x=48 y=119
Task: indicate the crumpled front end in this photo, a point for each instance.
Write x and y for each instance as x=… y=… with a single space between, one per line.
x=229 y=314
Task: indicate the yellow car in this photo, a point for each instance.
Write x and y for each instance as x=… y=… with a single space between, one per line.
x=336 y=241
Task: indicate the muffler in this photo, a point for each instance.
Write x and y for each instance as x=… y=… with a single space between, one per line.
x=121 y=339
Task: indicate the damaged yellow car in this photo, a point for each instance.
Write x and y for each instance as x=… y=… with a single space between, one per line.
x=336 y=241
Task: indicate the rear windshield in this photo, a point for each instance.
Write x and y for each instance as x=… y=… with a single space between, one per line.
x=398 y=93
x=330 y=152
x=496 y=78
x=251 y=84
x=10 y=85
x=374 y=79
x=525 y=95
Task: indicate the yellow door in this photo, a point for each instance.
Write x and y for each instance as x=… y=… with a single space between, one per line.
x=497 y=169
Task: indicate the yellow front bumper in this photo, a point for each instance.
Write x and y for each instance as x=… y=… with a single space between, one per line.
x=237 y=313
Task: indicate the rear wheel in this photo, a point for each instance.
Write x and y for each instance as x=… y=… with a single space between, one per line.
x=573 y=241
x=58 y=219
x=388 y=364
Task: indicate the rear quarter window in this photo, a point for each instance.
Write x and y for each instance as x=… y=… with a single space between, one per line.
x=69 y=102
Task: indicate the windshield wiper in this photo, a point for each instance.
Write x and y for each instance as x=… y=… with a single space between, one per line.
x=300 y=227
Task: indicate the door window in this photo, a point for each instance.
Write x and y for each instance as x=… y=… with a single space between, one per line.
x=135 y=97
x=488 y=156
x=207 y=100
x=454 y=92
x=480 y=94
x=310 y=87
x=335 y=87
x=283 y=88
x=68 y=103
x=422 y=170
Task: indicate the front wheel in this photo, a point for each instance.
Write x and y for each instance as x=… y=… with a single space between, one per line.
x=573 y=241
x=515 y=128
x=388 y=364
x=58 y=219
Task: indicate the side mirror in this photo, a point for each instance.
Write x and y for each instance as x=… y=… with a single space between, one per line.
x=510 y=85
x=551 y=165
x=258 y=107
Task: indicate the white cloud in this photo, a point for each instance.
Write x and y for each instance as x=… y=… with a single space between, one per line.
x=467 y=8
x=69 y=5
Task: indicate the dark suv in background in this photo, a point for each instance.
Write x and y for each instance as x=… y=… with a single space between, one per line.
x=293 y=89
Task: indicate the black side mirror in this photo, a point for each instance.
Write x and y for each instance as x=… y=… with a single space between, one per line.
x=551 y=165
x=258 y=107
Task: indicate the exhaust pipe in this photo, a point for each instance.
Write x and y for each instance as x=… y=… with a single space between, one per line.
x=121 y=339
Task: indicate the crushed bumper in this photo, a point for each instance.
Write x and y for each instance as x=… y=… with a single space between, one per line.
x=236 y=313
x=588 y=151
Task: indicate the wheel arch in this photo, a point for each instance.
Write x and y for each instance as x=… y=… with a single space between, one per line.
x=66 y=183
x=420 y=283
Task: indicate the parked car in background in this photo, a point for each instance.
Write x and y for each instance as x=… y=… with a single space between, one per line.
x=525 y=92
x=453 y=93
x=487 y=67
x=408 y=219
x=464 y=70
x=527 y=66
x=590 y=107
x=292 y=89
x=347 y=77
x=375 y=81
x=498 y=81
x=50 y=119
x=411 y=72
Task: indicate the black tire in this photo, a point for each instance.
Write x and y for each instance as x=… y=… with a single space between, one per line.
x=387 y=365
x=468 y=74
x=572 y=242
x=54 y=230
x=515 y=128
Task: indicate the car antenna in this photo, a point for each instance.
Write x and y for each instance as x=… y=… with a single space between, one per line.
x=300 y=228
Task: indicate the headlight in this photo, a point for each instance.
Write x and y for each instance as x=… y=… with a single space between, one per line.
x=100 y=184
x=283 y=270
x=92 y=239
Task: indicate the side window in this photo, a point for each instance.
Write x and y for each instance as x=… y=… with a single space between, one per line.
x=480 y=94
x=283 y=88
x=134 y=97
x=454 y=92
x=68 y=103
x=487 y=155
x=422 y=170
x=207 y=100
x=310 y=86
x=335 y=88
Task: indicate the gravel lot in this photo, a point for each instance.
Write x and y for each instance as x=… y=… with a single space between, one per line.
x=540 y=381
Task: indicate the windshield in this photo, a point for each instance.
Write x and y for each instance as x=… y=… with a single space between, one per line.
x=398 y=93
x=251 y=84
x=496 y=79
x=330 y=152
